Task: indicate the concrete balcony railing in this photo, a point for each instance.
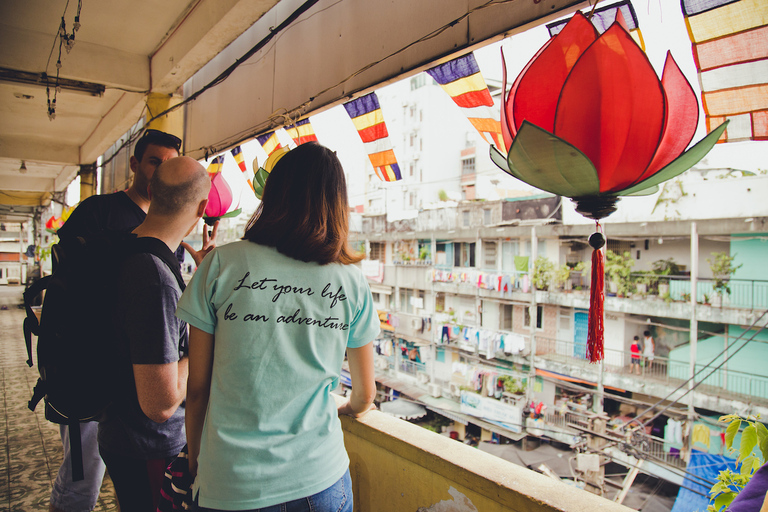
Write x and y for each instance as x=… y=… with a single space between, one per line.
x=397 y=466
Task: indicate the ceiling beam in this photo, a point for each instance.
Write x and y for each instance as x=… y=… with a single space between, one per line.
x=41 y=149
x=209 y=28
x=24 y=50
x=26 y=183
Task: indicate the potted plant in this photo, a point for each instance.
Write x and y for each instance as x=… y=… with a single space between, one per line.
x=642 y=282
x=618 y=268
x=561 y=277
x=580 y=269
x=542 y=269
x=722 y=269
x=424 y=254
x=664 y=268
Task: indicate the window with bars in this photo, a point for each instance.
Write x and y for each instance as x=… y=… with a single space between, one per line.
x=468 y=166
x=378 y=251
x=464 y=254
x=489 y=255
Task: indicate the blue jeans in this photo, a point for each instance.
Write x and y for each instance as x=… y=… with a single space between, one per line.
x=336 y=498
x=80 y=496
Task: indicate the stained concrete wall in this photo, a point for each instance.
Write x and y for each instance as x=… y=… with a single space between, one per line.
x=399 y=466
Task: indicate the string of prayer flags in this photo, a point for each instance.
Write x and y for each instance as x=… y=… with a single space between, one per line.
x=462 y=80
x=302 y=132
x=730 y=50
x=238 y=154
x=603 y=17
x=216 y=165
x=366 y=114
x=269 y=142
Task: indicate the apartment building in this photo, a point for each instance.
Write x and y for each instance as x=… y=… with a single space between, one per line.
x=477 y=332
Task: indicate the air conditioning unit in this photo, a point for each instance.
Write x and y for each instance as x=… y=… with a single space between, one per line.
x=455 y=390
x=416 y=323
x=423 y=378
x=435 y=390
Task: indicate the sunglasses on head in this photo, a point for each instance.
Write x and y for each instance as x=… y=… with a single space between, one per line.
x=165 y=139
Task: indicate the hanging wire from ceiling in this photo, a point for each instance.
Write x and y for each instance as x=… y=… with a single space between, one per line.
x=66 y=41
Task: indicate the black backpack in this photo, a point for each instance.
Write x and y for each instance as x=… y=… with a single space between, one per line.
x=76 y=336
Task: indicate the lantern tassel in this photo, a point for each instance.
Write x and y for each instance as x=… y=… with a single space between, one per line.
x=595 y=333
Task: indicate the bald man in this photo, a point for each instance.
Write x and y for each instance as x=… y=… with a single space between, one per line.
x=144 y=427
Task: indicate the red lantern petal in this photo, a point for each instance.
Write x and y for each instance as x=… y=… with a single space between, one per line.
x=219 y=198
x=612 y=109
x=534 y=95
x=682 y=116
x=508 y=128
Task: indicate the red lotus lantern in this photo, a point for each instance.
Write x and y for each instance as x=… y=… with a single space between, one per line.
x=220 y=196
x=588 y=119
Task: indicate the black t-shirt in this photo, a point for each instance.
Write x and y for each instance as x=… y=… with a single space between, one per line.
x=107 y=212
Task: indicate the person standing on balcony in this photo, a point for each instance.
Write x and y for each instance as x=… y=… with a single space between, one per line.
x=635 y=351
x=121 y=211
x=143 y=427
x=649 y=350
x=270 y=319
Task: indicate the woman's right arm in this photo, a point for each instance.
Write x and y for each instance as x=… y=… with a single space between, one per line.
x=363 y=382
x=198 y=389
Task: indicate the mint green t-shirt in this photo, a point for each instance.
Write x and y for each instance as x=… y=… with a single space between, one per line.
x=281 y=327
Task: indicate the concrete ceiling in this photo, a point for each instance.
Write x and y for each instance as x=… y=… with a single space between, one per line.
x=129 y=48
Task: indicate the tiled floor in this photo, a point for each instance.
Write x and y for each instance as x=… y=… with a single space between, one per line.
x=31 y=446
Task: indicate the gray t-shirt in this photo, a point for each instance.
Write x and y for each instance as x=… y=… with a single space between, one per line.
x=149 y=333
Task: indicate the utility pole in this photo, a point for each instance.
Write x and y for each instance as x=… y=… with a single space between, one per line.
x=532 y=316
x=592 y=464
x=694 y=335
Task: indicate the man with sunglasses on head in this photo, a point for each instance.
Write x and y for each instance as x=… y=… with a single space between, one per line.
x=120 y=211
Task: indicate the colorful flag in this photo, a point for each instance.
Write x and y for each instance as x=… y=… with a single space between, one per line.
x=269 y=142
x=301 y=132
x=216 y=164
x=369 y=121
x=603 y=17
x=238 y=154
x=462 y=80
x=730 y=49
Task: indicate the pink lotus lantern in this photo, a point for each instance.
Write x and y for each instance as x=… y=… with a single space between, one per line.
x=220 y=196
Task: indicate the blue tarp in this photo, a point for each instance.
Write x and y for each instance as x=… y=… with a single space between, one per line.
x=704 y=466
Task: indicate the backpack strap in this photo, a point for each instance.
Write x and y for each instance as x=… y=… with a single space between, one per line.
x=158 y=248
x=31 y=323
x=76 y=451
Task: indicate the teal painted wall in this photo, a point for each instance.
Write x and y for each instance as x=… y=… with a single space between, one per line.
x=752 y=254
x=749 y=360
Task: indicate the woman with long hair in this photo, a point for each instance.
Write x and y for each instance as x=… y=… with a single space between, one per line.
x=271 y=317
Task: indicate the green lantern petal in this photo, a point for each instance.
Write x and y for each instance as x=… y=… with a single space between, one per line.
x=500 y=160
x=680 y=164
x=645 y=192
x=549 y=163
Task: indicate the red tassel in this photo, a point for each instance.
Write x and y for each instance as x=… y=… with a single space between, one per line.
x=596 y=316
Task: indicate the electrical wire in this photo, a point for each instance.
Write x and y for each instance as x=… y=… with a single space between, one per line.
x=246 y=135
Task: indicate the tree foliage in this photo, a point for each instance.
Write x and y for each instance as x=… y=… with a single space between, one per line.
x=753 y=452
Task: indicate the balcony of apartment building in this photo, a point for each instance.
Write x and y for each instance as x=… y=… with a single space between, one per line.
x=724 y=385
